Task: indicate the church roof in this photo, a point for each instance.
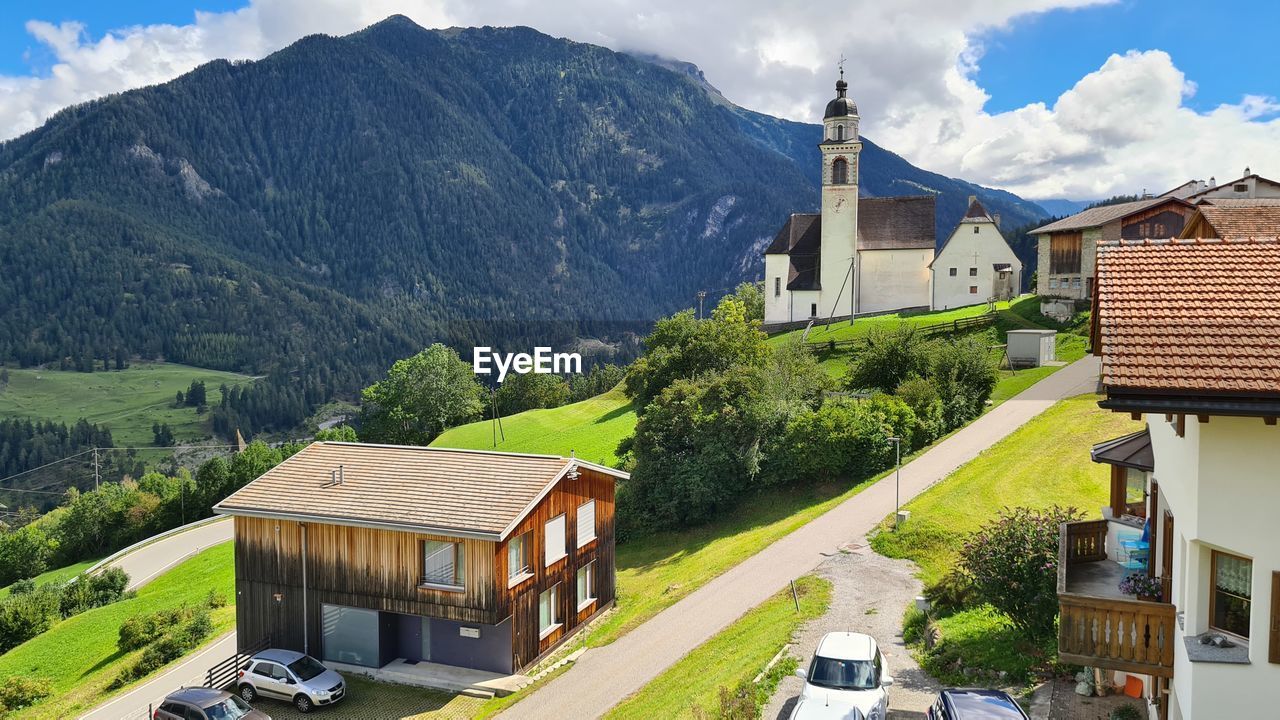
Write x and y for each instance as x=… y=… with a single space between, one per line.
x=976 y=213
x=892 y=223
x=840 y=106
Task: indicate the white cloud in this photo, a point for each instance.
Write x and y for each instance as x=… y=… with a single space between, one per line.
x=911 y=69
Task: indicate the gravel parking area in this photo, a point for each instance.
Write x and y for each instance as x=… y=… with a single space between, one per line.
x=869 y=595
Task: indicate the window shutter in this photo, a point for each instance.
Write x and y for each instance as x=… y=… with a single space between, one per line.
x=555 y=544
x=1275 y=618
x=586 y=522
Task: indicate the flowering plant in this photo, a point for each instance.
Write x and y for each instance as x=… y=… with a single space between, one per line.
x=1140 y=584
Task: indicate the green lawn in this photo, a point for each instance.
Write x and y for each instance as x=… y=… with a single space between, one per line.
x=79 y=656
x=1043 y=463
x=126 y=401
x=61 y=574
x=733 y=656
x=862 y=326
x=591 y=428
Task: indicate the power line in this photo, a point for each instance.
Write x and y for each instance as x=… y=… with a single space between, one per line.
x=55 y=462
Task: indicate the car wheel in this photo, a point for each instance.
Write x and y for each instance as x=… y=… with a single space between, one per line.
x=303 y=703
x=247 y=693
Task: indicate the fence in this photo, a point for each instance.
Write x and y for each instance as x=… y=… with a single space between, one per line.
x=224 y=673
x=942 y=328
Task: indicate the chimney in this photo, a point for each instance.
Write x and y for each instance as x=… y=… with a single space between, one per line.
x=996 y=218
x=1246 y=171
x=973 y=199
x=1213 y=181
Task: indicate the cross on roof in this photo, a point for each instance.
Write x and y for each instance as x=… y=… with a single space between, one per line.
x=840 y=64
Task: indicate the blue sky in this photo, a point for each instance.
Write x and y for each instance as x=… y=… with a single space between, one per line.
x=1217 y=45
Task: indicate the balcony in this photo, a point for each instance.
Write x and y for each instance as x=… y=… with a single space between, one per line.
x=1098 y=626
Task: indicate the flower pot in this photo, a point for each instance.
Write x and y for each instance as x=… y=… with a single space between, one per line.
x=1149 y=598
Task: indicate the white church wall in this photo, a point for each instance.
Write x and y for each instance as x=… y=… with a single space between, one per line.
x=777 y=298
x=893 y=279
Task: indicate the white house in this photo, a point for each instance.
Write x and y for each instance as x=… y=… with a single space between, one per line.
x=859 y=255
x=1190 y=340
x=975 y=264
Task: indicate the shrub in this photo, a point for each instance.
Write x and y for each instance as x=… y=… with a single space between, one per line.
x=141 y=630
x=914 y=621
x=26 y=615
x=842 y=439
x=889 y=357
x=921 y=395
x=1013 y=562
x=215 y=599
x=964 y=375
x=19 y=691
x=87 y=592
x=171 y=644
x=953 y=593
x=22 y=587
x=25 y=552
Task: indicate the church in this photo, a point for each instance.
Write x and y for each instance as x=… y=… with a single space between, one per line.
x=857 y=256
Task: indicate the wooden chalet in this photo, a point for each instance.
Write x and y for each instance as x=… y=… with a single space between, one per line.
x=370 y=554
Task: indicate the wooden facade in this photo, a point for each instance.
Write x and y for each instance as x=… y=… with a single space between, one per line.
x=1064 y=252
x=280 y=589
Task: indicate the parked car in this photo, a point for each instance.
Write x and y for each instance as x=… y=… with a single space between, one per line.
x=955 y=704
x=290 y=676
x=848 y=669
x=818 y=710
x=201 y=703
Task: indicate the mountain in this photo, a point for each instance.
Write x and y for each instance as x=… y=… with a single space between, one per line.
x=342 y=202
x=1063 y=208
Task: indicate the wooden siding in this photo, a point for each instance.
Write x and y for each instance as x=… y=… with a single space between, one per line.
x=1064 y=252
x=1274 y=651
x=521 y=602
x=350 y=566
x=1155 y=223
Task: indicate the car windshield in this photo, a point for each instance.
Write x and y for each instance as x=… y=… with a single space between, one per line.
x=306 y=667
x=229 y=709
x=843 y=674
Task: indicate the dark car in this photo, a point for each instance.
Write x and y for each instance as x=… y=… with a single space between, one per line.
x=955 y=704
x=201 y=703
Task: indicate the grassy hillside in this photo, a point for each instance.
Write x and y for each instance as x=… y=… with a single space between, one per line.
x=79 y=656
x=59 y=575
x=1043 y=463
x=591 y=428
x=862 y=326
x=126 y=401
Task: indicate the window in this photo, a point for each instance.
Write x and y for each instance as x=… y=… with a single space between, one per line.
x=1075 y=283
x=586 y=522
x=951 y=272
x=1135 y=492
x=839 y=132
x=349 y=635
x=973 y=289
x=518 y=565
x=1240 y=187
x=973 y=272
x=1053 y=283
x=975 y=229
x=813 y=309
x=777 y=287
x=1231 y=594
x=1064 y=252
x=586 y=585
x=840 y=172
x=442 y=563
x=548 y=612
x=556 y=548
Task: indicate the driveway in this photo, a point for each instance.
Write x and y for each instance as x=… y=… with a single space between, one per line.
x=869 y=594
x=603 y=676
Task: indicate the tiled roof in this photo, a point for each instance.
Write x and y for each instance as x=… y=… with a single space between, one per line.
x=896 y=223
x=1190 y=316
x=436 y=490
x=1094 y=217
x=1231 y=221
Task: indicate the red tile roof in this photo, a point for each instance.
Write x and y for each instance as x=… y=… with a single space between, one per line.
x=1241 y=218
x=1190 y=316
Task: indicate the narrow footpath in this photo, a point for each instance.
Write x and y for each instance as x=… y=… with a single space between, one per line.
x=604 y=676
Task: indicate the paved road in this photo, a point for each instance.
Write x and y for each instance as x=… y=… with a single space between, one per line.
x=604 y=676
x=143 y=565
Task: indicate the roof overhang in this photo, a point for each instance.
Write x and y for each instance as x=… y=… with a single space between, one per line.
x=1131 y=451
x=1191 y=403
x=354 y=522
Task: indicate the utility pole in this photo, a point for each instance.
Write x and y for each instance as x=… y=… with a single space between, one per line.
x=95 y=468
x=702 y=294
x=897 y=481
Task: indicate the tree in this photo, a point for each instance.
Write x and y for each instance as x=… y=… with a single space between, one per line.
x=529 y=391
x=888 y=357
x=1013 y=562
x=4 y=376
x=751 y=295
x=421 y=397
x=196 y=394
x=337 y=433
x=681 y=347
x=162 y=434
x=844 y=439
x=965 y=375
x=178 y=399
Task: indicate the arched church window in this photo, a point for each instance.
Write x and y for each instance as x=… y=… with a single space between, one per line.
x=840 y=172
x=839 y=132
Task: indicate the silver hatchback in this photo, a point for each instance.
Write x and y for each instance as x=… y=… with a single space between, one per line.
x=290 y=676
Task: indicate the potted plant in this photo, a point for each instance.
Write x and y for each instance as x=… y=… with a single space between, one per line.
x=1146 y=588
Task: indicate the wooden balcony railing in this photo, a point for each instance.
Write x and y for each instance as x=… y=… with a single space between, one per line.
x=1108 y=632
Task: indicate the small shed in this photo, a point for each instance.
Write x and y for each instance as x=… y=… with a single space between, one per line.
x=1032 y=348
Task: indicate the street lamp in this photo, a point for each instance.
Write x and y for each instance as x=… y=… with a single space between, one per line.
x=897 y=478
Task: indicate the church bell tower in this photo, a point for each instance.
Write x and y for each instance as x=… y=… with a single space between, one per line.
x=840 y=148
